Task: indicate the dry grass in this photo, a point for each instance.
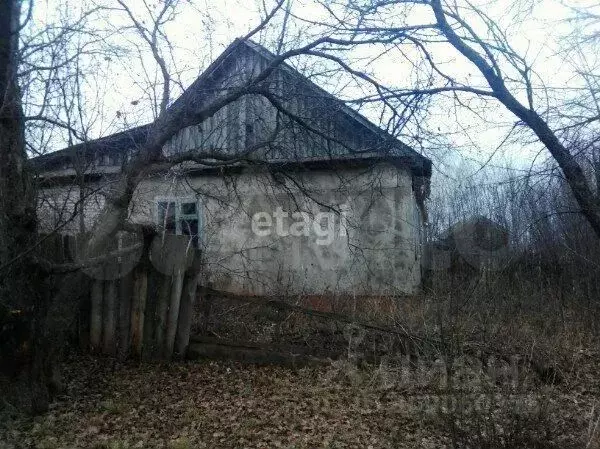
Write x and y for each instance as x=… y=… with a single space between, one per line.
x=478 y=383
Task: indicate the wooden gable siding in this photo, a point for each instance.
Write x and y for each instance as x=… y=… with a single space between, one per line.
x=325 y=131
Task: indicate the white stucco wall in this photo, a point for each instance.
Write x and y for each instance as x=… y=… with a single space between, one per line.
x=369 y=246
x=367 y=241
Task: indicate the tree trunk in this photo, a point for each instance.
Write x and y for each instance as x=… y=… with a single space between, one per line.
x=588 y=202
x=17 y=204
x=49 y=337
x=18 y=224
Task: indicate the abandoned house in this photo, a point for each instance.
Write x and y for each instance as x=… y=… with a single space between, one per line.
x=315 y=200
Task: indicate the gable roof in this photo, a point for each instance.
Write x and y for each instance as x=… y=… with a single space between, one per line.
x=396 y=151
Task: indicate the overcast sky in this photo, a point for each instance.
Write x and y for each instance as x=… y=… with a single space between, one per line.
x=203 y=28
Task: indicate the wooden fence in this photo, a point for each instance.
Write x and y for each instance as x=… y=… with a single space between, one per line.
x=142 y=298
x=142 y=294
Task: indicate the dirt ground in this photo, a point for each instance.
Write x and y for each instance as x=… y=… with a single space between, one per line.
x=224 y=405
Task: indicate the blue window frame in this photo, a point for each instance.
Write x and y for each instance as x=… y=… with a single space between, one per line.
x=180 y=216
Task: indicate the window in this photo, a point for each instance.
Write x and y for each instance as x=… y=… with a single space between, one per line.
x=179 y=216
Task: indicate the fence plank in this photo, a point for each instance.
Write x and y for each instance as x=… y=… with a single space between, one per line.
x=96 y=315
x=125 y=293
x=162 y=309
x=186 y=308
x=150 y=345
x=138 y=309
x=110 y=318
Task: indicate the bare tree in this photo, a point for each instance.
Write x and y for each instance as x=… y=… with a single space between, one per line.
x=18 y=223
x=420 y=33
x=54 y=307
x=154 y=36
x=18 y=203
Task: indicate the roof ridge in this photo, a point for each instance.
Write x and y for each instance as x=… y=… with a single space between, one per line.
x=262 y=51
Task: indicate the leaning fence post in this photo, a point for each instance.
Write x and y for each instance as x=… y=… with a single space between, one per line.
x=186 y=309
x=171 y=255
x=173 y=311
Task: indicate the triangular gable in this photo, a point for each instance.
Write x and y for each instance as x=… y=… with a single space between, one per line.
x=243 y=58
